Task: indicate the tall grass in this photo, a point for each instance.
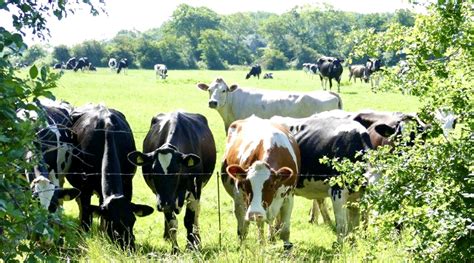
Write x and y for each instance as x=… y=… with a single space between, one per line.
x=139 y=95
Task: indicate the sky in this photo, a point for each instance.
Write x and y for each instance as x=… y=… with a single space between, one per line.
x=146 y=14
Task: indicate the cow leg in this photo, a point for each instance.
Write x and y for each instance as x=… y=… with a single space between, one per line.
x=338 y=85
x=239 y=211
x=322 y=82
x=192 y=225
x=285 y=213
x=85 y=213
x=314 y=213
x=171 y=227
x=339 y=200
x=324 y=211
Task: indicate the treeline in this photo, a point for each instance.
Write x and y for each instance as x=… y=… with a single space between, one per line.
x=198 y=37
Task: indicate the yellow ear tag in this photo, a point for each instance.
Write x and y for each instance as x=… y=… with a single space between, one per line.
x=139 y=160
x=190 y=162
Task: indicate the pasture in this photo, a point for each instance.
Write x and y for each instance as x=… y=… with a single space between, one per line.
x=139 y=95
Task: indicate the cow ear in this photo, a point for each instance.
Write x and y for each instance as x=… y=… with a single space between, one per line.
x=141 y=210
x=236 y=172
x=284 y=174
x=67 y=194
x=137 y=158
x=233 y=87
x=190 y=160
x=384 y=130
x=202 y=86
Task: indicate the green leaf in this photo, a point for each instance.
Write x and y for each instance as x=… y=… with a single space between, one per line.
x=44 y=73
x=33 y=72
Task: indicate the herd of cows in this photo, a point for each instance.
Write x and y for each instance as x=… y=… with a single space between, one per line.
x=275 y=140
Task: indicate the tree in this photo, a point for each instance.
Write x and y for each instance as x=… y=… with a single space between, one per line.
x=212 y=45
x=92 y=49
x=274 y=59
x=61 y=53
x=190 y=21
x=28 y=232
x=33 y=53
x=428 y=188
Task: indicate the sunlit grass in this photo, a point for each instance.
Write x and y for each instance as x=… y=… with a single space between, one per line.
x=139 y=95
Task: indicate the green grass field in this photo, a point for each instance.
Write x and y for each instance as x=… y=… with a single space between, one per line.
x=139 y=95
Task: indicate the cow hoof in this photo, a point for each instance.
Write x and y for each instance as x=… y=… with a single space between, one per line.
x=288 y=246
x=175 y=250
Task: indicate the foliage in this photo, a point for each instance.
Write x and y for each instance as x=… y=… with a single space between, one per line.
x=273 y=59
x=427 y=189
x=213 y=44
x=28 y=232
x=61 y=53
x=93 y=50
x=32 y=54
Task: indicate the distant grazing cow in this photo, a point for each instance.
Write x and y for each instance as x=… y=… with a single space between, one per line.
x=359 y=71
x=373 y=66
x=71 y=63
x=161 y=71
x=330 y=68
x=91 y=67
x=306 y=67
x=59 y=66
x=319 y=136
x=256 y=70
x=268 y=76
x=82 y=64
x=112 y=64
x=53 y=152
x=178 y=161
x=103 y=139
x=122 y=65
x=234 y=103
x=260 y=169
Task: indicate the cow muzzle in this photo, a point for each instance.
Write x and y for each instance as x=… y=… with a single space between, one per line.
x=212 y=104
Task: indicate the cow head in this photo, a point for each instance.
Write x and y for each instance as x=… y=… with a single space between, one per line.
x=261 y=186
x=218 y=92
x=118 y=218
x=169 y=166
x=373 y=65
x=49 y=194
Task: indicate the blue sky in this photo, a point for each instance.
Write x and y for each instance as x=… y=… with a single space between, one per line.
x=145 y=14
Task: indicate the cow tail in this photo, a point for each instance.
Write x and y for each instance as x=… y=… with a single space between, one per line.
x=339 y=103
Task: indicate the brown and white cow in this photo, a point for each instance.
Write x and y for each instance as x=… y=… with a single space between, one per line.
x=260 y=171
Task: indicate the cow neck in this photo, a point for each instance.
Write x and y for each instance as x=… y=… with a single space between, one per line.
x=111 y=178
x=227 y=111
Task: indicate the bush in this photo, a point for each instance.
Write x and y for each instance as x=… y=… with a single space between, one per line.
x=273 y=59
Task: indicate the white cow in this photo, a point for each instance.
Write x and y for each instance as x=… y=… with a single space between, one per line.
x=235 y=103
x=112 y=64
x=161 y=70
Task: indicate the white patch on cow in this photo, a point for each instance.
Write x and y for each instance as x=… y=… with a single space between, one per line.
x=446 y=120
x=54 y=178
x=257 y=174
x=257 y=130
x=165 y=160
x=277 y=202
x=45 y=190
x=158 y=200
x=348 y=127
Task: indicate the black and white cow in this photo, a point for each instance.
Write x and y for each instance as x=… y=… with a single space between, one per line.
x=359 y=71
x=59 y=66
x=178 y=161
x=82 y=64
x=268 y=75
x=373 y=65
x=330 y=68
x=319 y=136
x=122 y=65
x=112 y=64
x=161 y=71
x=53 y=152
x=256 y=70
x=71 y=63
x=103 y=139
